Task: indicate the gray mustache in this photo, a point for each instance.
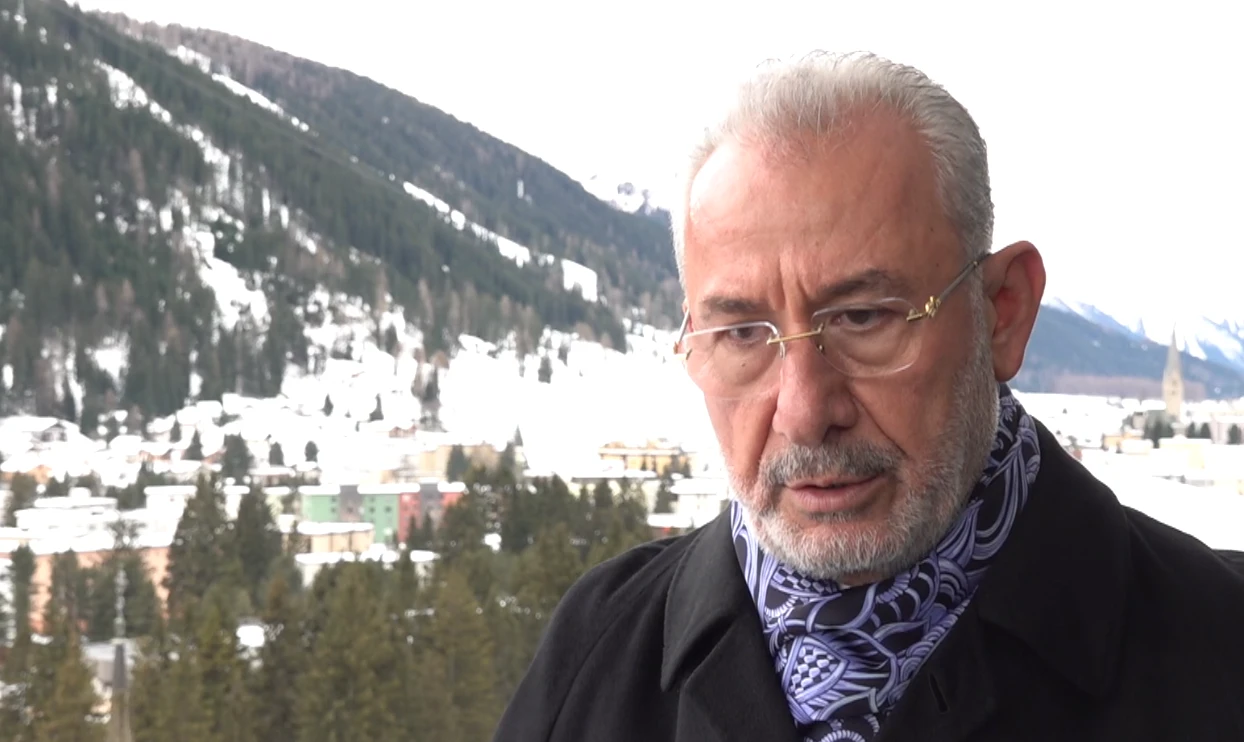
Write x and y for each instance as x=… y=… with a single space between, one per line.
x=856 y=460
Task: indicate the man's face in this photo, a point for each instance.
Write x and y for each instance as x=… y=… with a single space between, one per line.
x=851 y=479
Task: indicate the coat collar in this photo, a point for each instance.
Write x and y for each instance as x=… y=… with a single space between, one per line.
x=1061 y=582
x=707 y=596
x=1059 y=585
x=715 y=656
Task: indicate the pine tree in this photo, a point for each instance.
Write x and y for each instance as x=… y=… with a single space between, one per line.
x=328 y=406
x=463 y=527
x=276 y=456
x=66 y=714
x=203 y=551
x=22 y=493
x=17 y=670
x=405 y=584
x=70 y=403
x=194 y=452
x=413 y=534
x=5 y=621
x=391 y=340
x=258 y=542
x=431 y=398
x=223 y=674
x=237 y=461
x=166 y=697
x=344 y=693
x=665 y=498
x=59 y=693
x=174 y=434
x=428 y=534
x=623 y=526
x=457 y=466
x=546 y=571
x=432 y=716
x=514 y=642
x=282 y=661
x=602 y=495
x=1235 y=436
x=378 y=412
x=141 y=603
x=459 y=635
x=545 y=373
x=311 y=452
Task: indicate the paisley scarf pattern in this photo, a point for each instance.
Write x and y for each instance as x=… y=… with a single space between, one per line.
x=844 y=656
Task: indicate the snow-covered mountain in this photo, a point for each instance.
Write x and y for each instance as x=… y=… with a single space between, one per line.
x=623 y=195
x=1215 y=339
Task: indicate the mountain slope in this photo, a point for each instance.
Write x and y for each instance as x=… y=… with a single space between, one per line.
x=492 y=183
x=162 y=236
x=1071 y=354
x=1219 y=340
x=207 y=215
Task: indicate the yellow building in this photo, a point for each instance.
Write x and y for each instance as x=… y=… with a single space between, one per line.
x=329 y=538
x=655 y=456
x=433 y=461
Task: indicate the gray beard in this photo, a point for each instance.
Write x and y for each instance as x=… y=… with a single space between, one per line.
x=930 y=496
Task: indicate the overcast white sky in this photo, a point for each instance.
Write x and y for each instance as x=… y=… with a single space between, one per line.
x=1114 y=134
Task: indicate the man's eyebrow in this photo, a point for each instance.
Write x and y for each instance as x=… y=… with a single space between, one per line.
x=872 y=281
x=729 y=306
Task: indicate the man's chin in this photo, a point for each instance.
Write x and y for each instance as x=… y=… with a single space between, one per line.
x=843 y=546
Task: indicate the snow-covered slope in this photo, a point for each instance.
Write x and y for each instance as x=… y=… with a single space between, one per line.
x=1214 y=339
x=575 y=277
x=623 y=195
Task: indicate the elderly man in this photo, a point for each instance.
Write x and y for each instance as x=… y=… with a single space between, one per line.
x=908 y=554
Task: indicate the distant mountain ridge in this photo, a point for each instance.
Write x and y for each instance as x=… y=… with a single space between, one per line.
x=1218 y=340
x=1085 y=351
x=496 y=185
x=169 y=232
x=186 y=213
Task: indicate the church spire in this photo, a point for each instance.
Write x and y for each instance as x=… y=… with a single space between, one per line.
x=1173 y=379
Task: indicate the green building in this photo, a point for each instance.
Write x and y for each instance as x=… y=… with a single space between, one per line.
x=320 y=503
x=381 y=506
x=378 y=504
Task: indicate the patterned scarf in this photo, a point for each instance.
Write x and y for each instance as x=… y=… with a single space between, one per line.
x=845 y=655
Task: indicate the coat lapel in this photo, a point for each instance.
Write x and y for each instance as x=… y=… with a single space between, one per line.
x=715 y=657
x=734 y=694
x=952 y=695
x=1057 y=589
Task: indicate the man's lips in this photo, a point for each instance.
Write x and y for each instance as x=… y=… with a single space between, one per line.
x=828 y=482
x=832 y=494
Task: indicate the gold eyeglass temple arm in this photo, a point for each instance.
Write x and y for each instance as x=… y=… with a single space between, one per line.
x=935 y=302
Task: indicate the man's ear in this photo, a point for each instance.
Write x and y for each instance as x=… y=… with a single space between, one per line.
x=1014 y=285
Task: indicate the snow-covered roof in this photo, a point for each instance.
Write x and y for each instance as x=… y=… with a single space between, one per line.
x=318 y=528
x=93 y=542
x=388 y=488
x=319 y=489
x=169 y=490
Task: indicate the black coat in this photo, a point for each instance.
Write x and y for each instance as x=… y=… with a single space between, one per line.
x=1095 y=622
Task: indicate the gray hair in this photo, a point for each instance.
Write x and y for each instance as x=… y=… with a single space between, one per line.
x=784 y=99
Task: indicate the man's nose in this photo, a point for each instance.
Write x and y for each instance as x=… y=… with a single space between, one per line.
x=813 y=396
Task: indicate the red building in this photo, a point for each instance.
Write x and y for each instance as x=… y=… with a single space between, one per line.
x=409 y=505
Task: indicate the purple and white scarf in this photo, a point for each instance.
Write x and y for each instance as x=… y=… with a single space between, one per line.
x=845 y=655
